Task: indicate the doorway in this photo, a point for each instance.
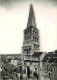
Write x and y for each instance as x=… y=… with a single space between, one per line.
x=28 y=72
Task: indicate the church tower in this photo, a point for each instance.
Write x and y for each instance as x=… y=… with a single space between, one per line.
x=31 y=35
x=31 y=46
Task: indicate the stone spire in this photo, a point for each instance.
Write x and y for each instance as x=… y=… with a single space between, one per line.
x=31 y=18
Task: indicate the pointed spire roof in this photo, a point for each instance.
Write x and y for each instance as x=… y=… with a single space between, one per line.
x=31 y=18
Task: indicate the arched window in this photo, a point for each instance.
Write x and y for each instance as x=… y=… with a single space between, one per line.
x=49 y=74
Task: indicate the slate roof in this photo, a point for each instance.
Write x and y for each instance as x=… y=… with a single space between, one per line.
x=31 y=18
x=51 y=57
x=10 y=54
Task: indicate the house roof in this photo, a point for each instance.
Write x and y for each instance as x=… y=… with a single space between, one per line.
x=51 y=57
x=11 y=54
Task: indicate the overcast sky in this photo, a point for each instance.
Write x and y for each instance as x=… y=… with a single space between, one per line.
x=13 y=20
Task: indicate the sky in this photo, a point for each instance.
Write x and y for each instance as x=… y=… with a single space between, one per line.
x=14 y=18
